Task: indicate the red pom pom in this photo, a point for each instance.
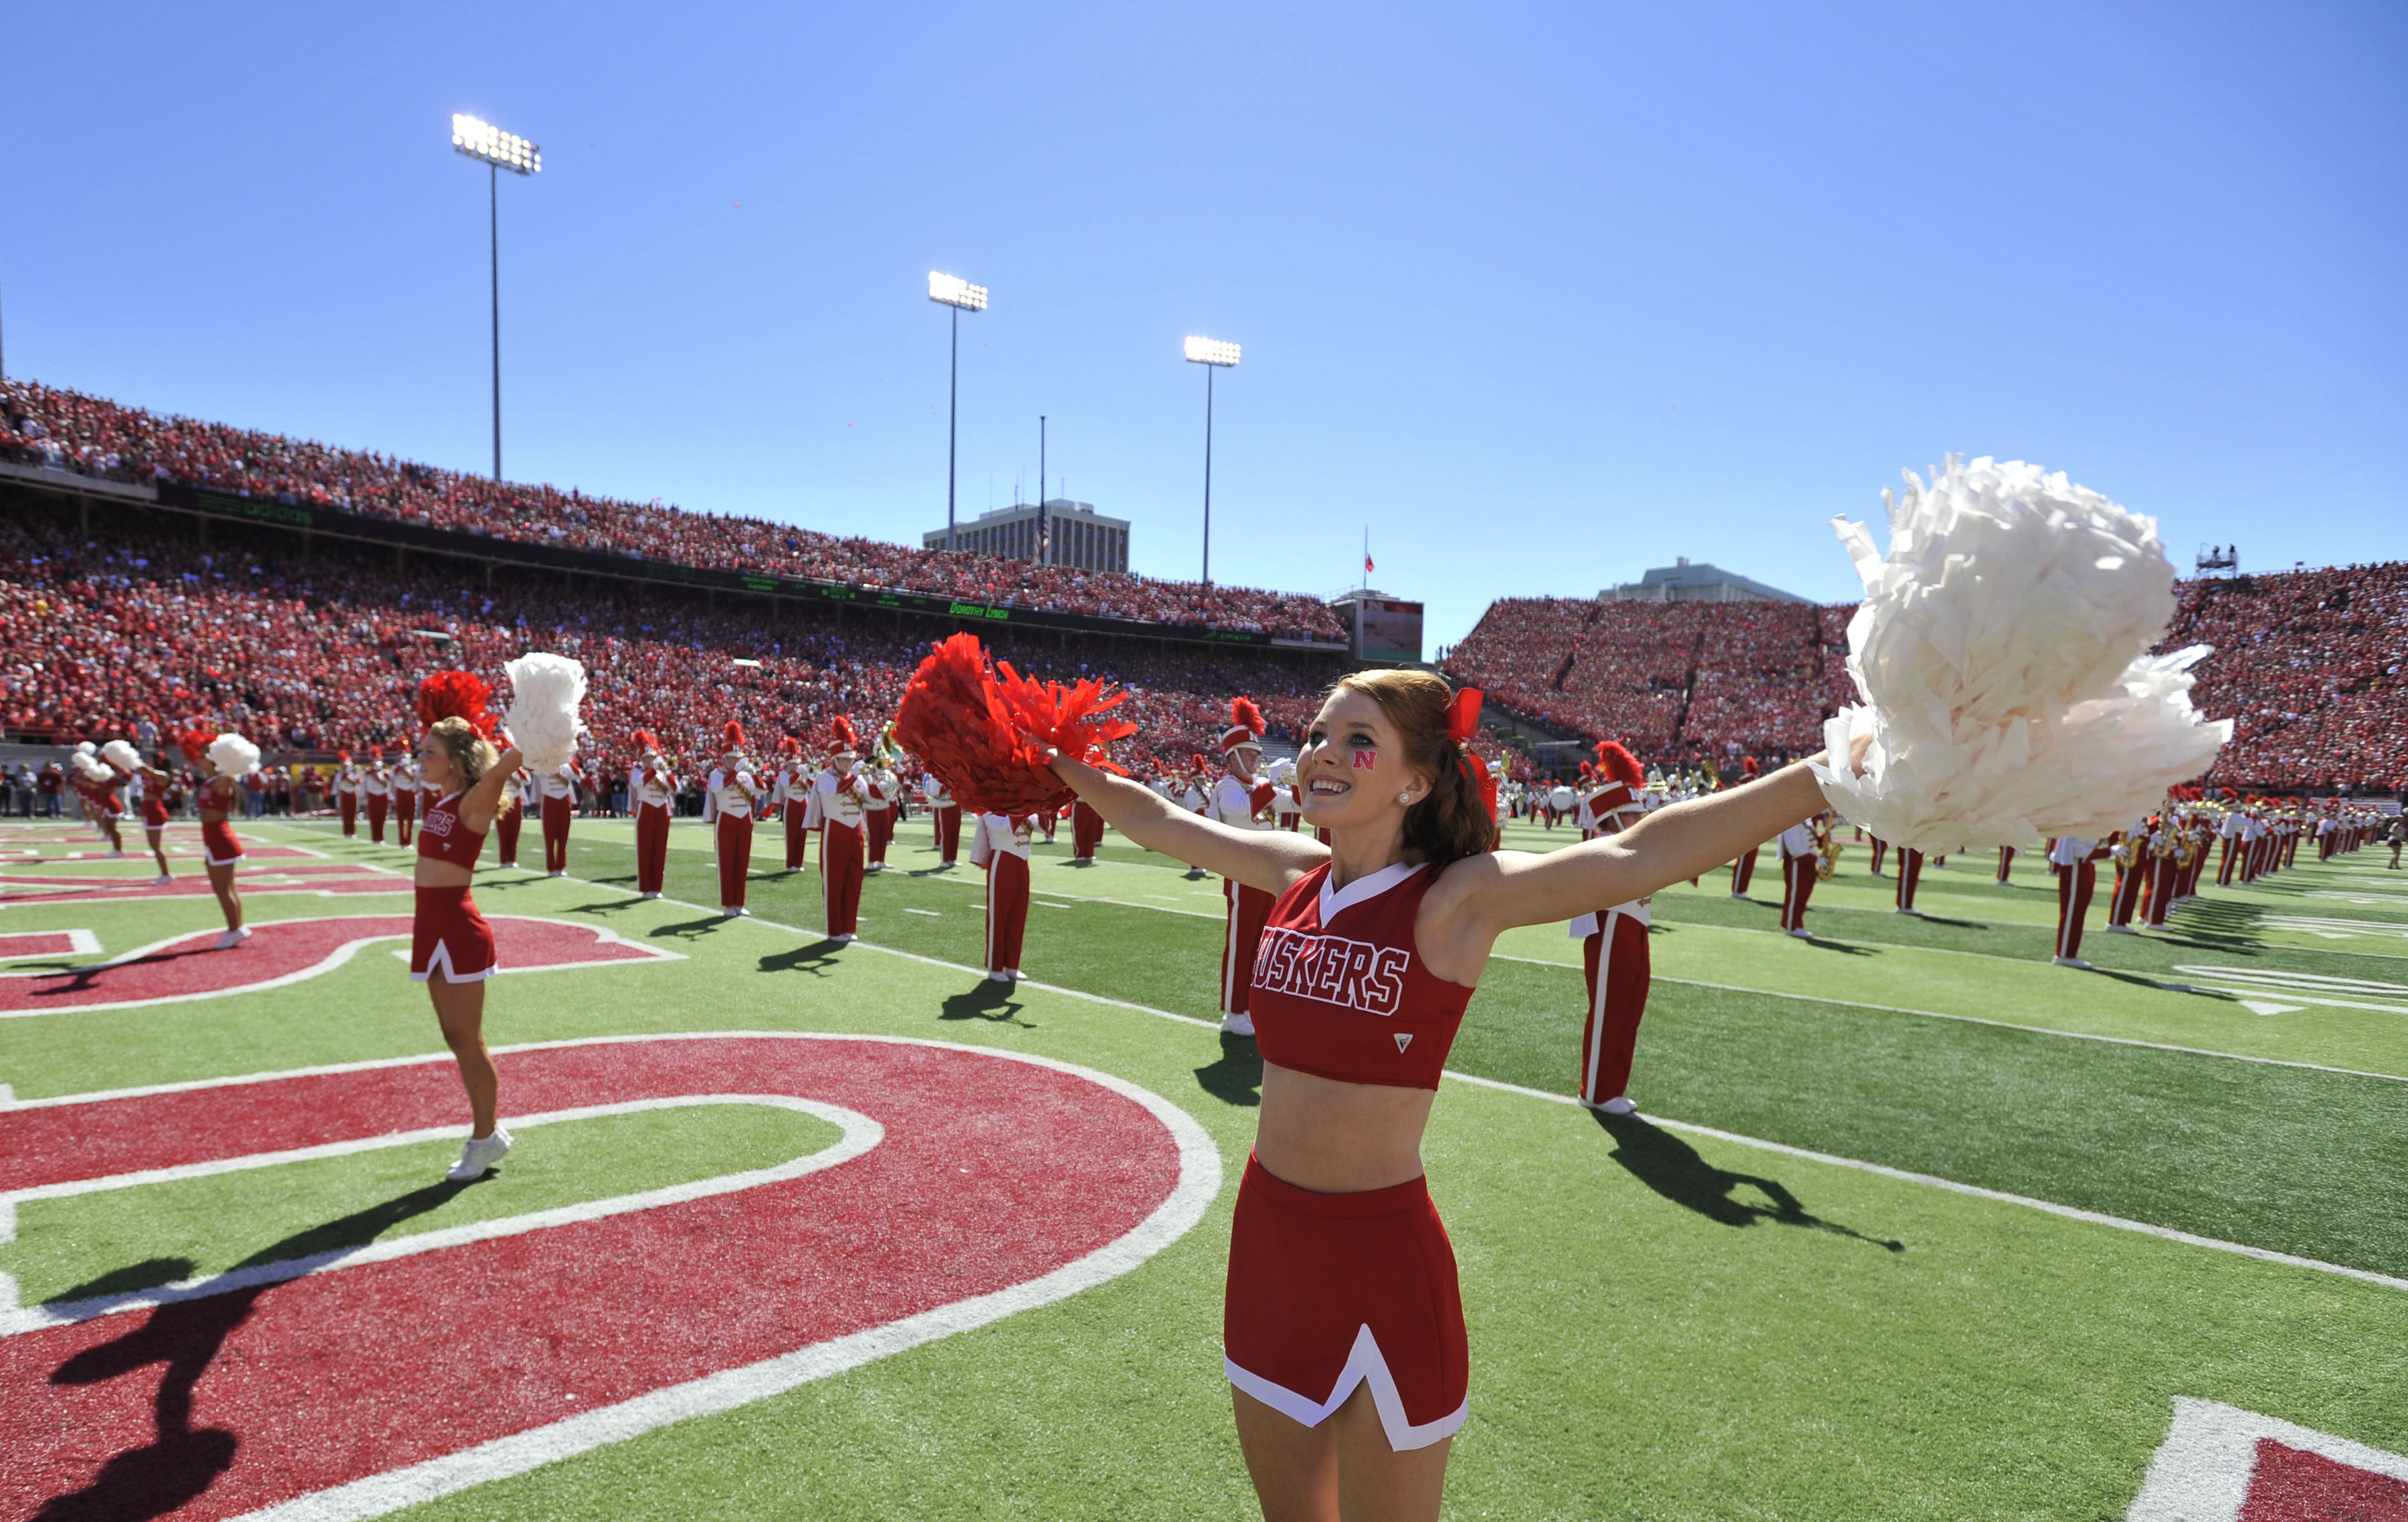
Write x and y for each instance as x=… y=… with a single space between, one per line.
x=455 y=695
x=985 y=731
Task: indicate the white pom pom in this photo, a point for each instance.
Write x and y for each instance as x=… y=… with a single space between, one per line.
x=545 y=692
x=2000 y=651
x=233 y=756
x=122 y=755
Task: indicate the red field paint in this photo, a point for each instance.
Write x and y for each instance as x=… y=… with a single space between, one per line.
x=2220 y=1461
x=999 y=1184
x=281 y=951
x=189 y=847
x=19 y=945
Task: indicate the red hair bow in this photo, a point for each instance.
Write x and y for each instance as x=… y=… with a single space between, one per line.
x=1463 y=715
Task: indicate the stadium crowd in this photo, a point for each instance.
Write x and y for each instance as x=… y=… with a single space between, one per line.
x=2309 y=663
x=47 y=426
x=144 y=634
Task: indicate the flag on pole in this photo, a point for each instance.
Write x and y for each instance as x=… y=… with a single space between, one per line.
x=1367 y=567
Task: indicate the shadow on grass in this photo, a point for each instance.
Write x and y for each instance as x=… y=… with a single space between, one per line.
x=997 y=1003
x=687 y=930
x=1672 y=1168
x=811 y=957
x=1237 y=1077
x=1850 y=948
x=183 y=1461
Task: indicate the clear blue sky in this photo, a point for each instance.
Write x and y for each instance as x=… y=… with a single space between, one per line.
x=1544 y=296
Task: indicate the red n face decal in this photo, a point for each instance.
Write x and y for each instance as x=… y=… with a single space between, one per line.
x=1367 y=761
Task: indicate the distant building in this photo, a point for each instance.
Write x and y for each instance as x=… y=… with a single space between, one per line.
x=1682 y=582
x=1074 y=533
x=1385 y=629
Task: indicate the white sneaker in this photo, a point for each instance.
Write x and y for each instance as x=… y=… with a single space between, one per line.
x=1803 y=933
x=846 y=939
x=1619 y=1105
x=1736 y=894
x=477 y=1154
x=998 y=975
x=116 y=856
x=164 y=879
x=2121 y=930
x=652 y=895
x=555 y=874
x=729 y=911
x=1916 y=913
x=2070 y=961
x=234 y=938
x=1237 y=1025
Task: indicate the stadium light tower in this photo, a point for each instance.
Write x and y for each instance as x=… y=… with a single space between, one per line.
x=1213 y=354
x=953 y=291
x=497 y=150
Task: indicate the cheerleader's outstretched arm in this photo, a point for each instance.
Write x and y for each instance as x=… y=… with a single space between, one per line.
x=1494 y=893
x=1269 y=859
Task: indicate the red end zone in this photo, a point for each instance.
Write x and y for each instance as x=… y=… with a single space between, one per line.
x=1000 y=1184
x=284 y=951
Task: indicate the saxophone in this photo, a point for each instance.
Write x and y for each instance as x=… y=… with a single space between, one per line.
x=1827 y=851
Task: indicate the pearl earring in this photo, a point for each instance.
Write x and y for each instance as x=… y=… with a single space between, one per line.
x=1404 y=798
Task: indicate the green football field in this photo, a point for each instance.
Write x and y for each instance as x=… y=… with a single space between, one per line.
x=1911 y=1224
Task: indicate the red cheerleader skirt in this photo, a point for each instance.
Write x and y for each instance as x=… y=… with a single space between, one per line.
x=219 y=847
x=154 y=812
x=1329 y=1291
x=449 y=933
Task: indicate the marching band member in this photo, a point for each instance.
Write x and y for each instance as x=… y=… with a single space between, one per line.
x=2157 y=887
x=2006 y=859
x=2128 y=848
x=844 y=811
x=558 y=791
x=347 y=793
x=376 y=786
x=946 y=816
x=229 y=757
x=405 y=800
x=884 y=791
x=733 y=784
x=1881 y=850
x=451 y=945
x=1799 y=858
x=1910 y=874
x=1614 y=956
x=793 y=790
x=1743 y=869
x=517 y=799
x=2076 y=861
x=1001 y=847
x=652 y=788
x=1197 y=795
x=1340 y=1276
x=1086 y=832
x=1240 y=800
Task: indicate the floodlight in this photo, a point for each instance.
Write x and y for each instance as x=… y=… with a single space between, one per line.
x=1211 y=351
x=953 y=291
x=489 y=144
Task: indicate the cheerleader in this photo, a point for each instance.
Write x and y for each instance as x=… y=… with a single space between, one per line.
x=96 y=782
x=732 y=788
x=451 y=947
x=159 y=798
x=1343 y=1332
x=652 y=788
x=230 y=758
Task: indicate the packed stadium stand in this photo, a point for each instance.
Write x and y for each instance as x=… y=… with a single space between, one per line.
x=2308 y=662
x=45 y=426
x=129 y=625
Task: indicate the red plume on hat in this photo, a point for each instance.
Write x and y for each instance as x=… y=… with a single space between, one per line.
x=645 y=740
x=1748 y=765
x=1616 y=763
x=343 y=756
x=840 y=730
x=1587 y=771
x=733 y=735
x=1245 y=725
x=456 y=694
x=789 y=746
x=376 y=752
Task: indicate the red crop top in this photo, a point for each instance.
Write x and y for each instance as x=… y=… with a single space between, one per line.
x=1340 y=992
x=441 y=836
